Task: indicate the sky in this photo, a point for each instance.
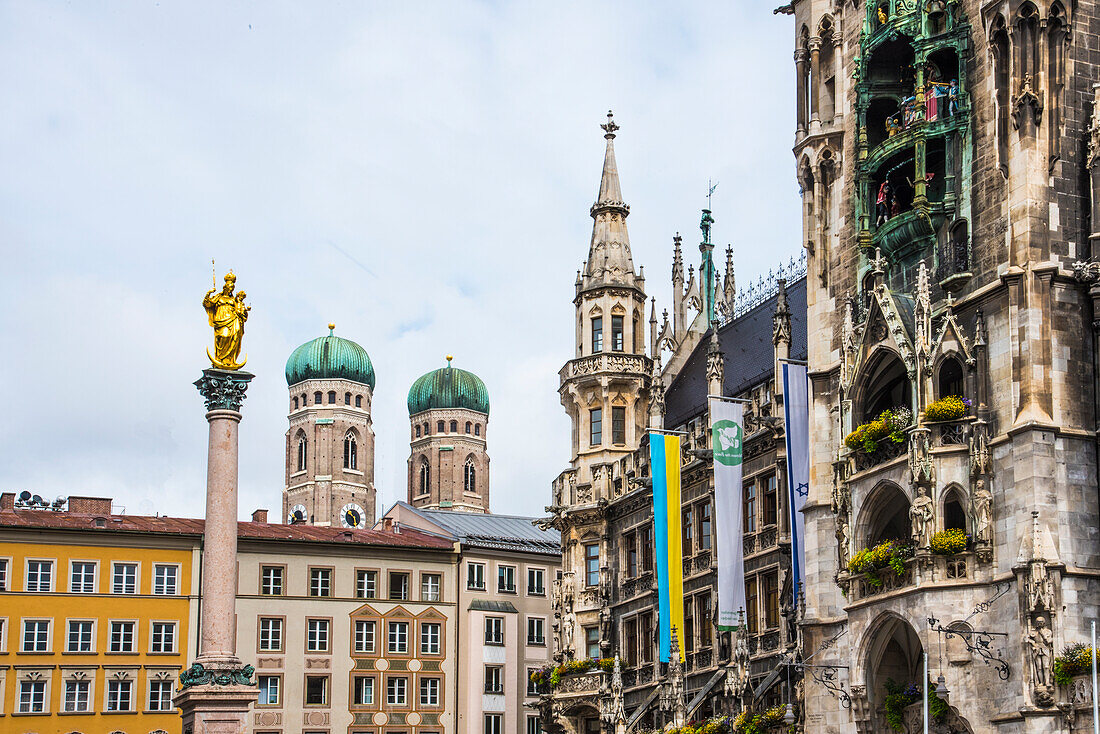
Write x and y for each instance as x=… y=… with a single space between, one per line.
x=419 y=173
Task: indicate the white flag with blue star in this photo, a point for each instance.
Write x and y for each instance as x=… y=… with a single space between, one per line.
x=796 y=415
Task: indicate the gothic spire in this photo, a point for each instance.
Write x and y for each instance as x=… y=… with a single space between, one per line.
x=729 y=287
x=609 y=259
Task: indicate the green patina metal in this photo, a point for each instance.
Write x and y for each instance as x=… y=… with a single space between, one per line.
x=223 y=389
x=330 y=357
x=197 y=675
x=706 y=268
x=448 y=387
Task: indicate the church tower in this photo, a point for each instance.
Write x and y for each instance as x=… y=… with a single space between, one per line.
x=330 y=442
x=449 y=421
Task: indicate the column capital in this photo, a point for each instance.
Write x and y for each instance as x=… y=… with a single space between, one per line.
x=223 y=389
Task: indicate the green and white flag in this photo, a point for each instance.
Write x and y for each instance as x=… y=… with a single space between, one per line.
x=727 y=440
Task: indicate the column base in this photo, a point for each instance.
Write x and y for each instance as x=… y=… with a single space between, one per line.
x=213 y=709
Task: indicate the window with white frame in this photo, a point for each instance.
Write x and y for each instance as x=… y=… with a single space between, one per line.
x=364 y=635
x=80 y=636
x=77 y=696
x=32 y=696
x=165 y=581
x=39 y=576
x=123 y=638
x=366 y=584
x=536 y=582
x=532 y=685
x=494 y=724
x=163 y=637
x=124 y=578
x=160 y=695
x=317 y=635
x=271 y=580
x=82 y=577
x=536 y=631
x=399 y=586
x=316 y=690
x=534 y=725
x=3 y=574
x=120 y=695
x=320 y=582
x=36 y=635
x=271 y=634
x=397 y=691
x=269 y=690
x=475 y=576
x=429 y=587
x=429 y=638
x=398 y=637
x=506 y=579
x=429 y=691
x=494 y=679
x=364 y=690
x=494 y=630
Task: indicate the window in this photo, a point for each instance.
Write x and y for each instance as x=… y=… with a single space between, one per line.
x=163 y=638
x=630 y=554
x=468 y=426
x=364 y=635
x=320 y=582
x=771 y=600
x=271 y=634
x=494 y=630
x=80 y=636
x=160 y=695
x=752 y=602
x=164 y=579
x=494 y=724
x=317 y=398
x=951 y=378
x=36 y=635
x=595 y=419
x=399 y=586
x=647 y=548
x=77 y=693
x=597 y=335
x=316 y=690
x=347 y=398
x=317 y=635
x=703 y=612
x=454 y=426
x=477 y=429
x=351 y=454
x=592 y=642
x=358 y=401
x=269 y=690
x=630 y=641
x=82 y=577
x=494 y=679
x=469 y=476
x=689 y=625
x=702 y=517
x=592 y=564
x=398 y=637
x=534 y=724
x=425 y=476
x=124 y=578
x=475 y=576
x=301 y=453
x=429 y=691
x=750 y=508
x=616 y=333
x=618 y=425
x=439 y=427
x=119 y=696
x=536 y=582
x=418 y=431
x=429 y=638
x=686 y=527
x=332 y=397
x=536 y=631
x=429 y=587
x=32 y=696
x=3 y=574
x=364 y=690
x=506 y=579
x=39 y=575
x=271 y=581
x=366 y=584
x=397 y=691
x=123 y=638
x=645 y=637
x=532 y=686
x=771 y=501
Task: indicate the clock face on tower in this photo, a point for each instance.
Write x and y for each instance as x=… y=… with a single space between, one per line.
x=351 y=516
x=297 y=514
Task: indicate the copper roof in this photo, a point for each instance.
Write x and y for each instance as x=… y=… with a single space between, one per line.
x=182 y=526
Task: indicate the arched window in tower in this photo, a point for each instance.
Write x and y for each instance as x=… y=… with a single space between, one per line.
x=468 y=426
x=301 y=452
x=304 y=401
x=597 y=335
x=418 y=431
x=617 y=333
x=351 y=452
x=951 y=378
x=317 y=398
x=358 y=401
x=347 y=398
x=469 y=481
x=425 y=476
x=332 y=397
x=954 y=516
x=296 y=403
x=454 y=426
x=439 y=427
x=477 y=429
x=427 y=429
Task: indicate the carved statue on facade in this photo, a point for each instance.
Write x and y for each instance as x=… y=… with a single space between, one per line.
x=1040 y=587
x=1040 y=644
x=226 y=313
x=568 y=627
x=982 y=511
x=922 y=517
x=843 y=540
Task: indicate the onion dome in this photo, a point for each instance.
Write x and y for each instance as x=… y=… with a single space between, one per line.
x=330 y=358
x=448 y=387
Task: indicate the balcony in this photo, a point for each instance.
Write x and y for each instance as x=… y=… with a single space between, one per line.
x=643 y=583
x=907 y=230
x=887 y=451
x=614 y=363
x=906 y=137
x=934 y=570
x=580 y=684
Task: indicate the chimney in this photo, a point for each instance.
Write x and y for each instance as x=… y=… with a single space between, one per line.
x=90 y=505
x=7 y=501
x=259 y=516
x=387 y=524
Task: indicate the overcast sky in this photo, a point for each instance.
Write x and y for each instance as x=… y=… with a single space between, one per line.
x=420 y=173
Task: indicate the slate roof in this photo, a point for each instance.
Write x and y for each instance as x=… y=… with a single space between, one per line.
x=502 y=532
x=180 y=526
x=749 y=356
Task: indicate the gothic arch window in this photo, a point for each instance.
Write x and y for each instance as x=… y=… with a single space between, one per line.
x=469 y=475
x=347 y=398
x=477 y=429
x=351 y=451
x=1057 y=36
x=418 y=431
x=884 y=515
x=427 y=429
x=468 y=426
x=425 y=476
x=331 y=397
x=295 y=402
x=358 y=401
x=454 y=426
x=884 y=385
x=439 y=427
x=301 y=451
x=950 y=380
x=998 y=48
x=317 y=398
x=893 y=652
x=304 y=403
x=954 y=516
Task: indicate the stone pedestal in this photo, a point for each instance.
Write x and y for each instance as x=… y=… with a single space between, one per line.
x=217 y=690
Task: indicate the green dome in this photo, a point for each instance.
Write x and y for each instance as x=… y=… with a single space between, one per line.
x=330 y=357
x=448 y=387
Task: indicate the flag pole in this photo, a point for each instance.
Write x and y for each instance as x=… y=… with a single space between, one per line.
x=1095 y=702
x=924 y=687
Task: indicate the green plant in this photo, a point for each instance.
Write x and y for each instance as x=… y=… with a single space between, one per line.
x=890 y=554
x=889 y=426
x=950 y=542
x=948 y=408
x=899 y=697
x=1074 y=660
x=549 y=677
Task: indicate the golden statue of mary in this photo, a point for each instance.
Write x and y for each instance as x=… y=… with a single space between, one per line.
x=227 y=313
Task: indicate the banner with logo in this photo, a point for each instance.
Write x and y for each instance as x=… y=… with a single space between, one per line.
x=664 y=462
x=727 y=440
x=796 y=416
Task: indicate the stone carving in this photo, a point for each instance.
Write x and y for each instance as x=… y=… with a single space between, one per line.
x=980 y=458
x=1040 y=645
x=1026 y=103
x=981 y=504
x=1040 y=587
x=921 y=467
x=922 y=517
x=568 y=627
x=843 y=541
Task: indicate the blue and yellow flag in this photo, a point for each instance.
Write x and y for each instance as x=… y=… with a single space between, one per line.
x=664 y=462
